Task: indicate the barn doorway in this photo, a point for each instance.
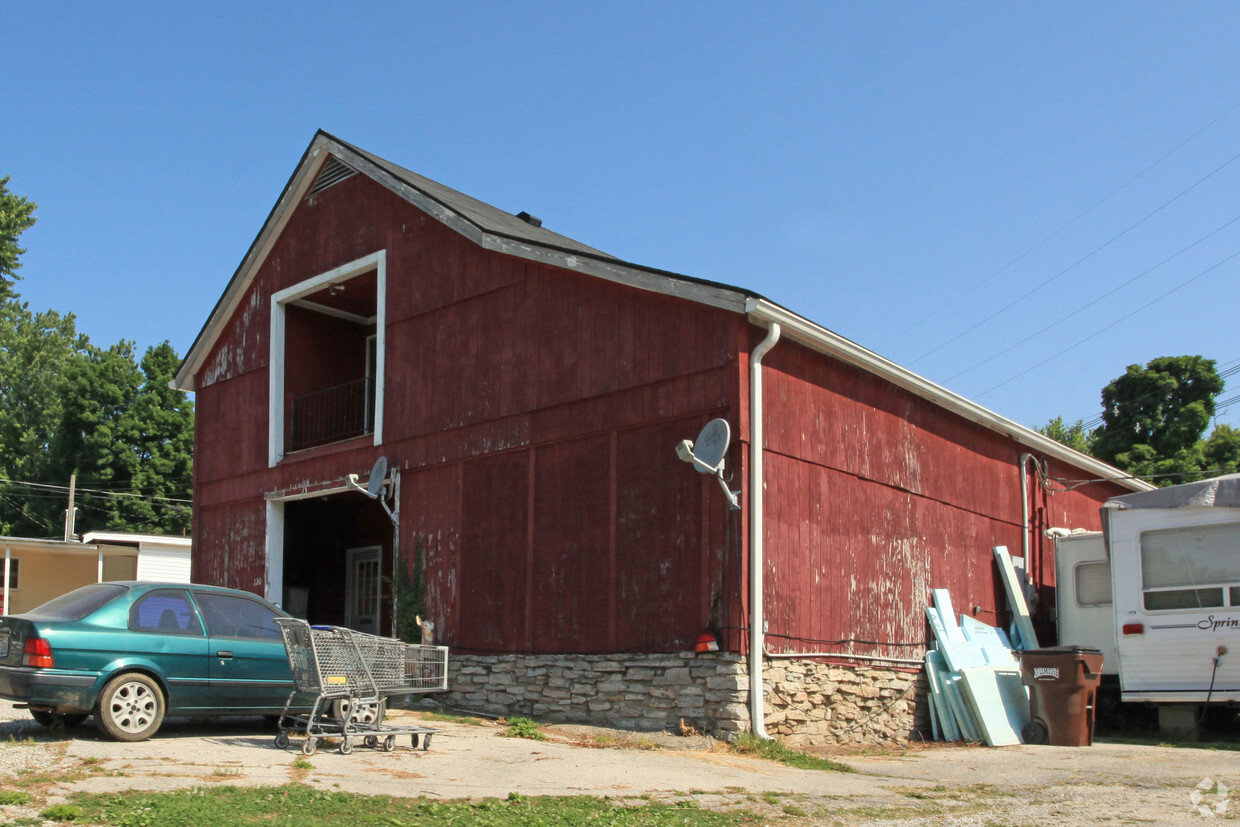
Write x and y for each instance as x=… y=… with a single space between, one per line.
x=331 y=555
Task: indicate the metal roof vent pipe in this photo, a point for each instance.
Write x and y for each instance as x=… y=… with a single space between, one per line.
x=532 y=220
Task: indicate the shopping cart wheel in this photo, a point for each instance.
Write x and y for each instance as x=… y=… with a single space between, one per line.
x=413 y=741
x=389 y=743
x=426 y=741
x=371 y=741
x=311 y=746
x=346 y=745
x=281 y=740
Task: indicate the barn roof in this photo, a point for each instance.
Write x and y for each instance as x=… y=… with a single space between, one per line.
x=495 y=229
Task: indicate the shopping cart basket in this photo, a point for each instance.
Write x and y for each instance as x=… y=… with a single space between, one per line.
x=349 y=672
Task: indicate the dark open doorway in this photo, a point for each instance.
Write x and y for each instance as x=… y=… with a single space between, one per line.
x=337 y=558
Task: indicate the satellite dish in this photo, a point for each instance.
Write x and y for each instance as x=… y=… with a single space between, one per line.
x=374 y=487
x=706 y=455
x=711 y=446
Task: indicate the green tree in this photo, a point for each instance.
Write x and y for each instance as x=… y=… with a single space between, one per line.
x=163 y=425
x=1153 y=417
x=16 y=216
x=127 y=435
x=35 y=352
x=1222 y=450
x=1074 y=436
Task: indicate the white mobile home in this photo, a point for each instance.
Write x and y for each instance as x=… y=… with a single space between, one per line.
x=1174 y=559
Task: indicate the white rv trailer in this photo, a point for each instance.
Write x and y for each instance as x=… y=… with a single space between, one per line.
x=1174 y=618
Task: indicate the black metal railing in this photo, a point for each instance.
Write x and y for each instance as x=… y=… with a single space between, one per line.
x=333 y=414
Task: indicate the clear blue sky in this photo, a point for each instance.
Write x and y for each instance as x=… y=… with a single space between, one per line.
x=977 y=191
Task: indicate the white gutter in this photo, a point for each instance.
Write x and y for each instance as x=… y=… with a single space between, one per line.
x=757 y=625
x=799 y=329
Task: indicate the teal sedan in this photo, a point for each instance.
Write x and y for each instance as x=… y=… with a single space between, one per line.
x=132 y=653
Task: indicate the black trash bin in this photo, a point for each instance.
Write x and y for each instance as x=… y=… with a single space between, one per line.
x=1063 y=690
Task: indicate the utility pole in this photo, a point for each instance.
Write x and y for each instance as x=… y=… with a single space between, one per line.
x=71 y=513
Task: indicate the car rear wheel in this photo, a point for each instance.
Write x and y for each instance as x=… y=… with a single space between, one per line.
x=57 y=719
x=131 y=707
x=368 y=713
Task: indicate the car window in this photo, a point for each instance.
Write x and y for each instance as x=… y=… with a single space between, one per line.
x=78 y=603
x=167 y=611
x=228 y=615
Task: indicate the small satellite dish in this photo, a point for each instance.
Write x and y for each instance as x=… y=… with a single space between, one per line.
x=711 y=446
x=374 y=487
x=706 y=455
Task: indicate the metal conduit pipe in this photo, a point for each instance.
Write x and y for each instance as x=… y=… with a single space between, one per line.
x=865 y=658
x=757 y=629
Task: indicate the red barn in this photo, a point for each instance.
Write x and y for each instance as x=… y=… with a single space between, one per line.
x=528 y=394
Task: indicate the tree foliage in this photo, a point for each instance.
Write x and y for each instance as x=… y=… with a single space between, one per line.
x=1074 y=436
x=1153 y=420
x=68 y=406
x=16 y=216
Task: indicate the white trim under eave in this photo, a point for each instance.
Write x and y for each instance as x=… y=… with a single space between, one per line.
x=376 y=261
x=818 y=338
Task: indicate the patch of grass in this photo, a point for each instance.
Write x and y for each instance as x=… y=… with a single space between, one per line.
x=293 y=804
x=524 y=728
x=302 y=764
x=62 y=812
x=13 y=797
x=749 y=744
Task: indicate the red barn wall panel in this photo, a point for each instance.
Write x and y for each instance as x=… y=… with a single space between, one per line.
x=494 y=555
x=230 y=546
x=571 y=547
x=876 y=496
x=659 y=556
x=236 y=411
x=431 y=513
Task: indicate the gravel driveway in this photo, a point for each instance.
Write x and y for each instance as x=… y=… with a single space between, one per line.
x=1107 y=782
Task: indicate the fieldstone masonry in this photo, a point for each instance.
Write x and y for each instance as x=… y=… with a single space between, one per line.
x=807 y=701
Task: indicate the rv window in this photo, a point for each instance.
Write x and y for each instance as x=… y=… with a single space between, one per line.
x=1093 y=584
x=1190 y=568
x=1183 y=599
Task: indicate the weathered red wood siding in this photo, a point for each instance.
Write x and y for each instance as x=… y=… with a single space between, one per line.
x=531 y=415
x=875 y=497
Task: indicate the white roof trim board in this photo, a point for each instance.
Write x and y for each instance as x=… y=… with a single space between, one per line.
x=494 y=229
x=763 y=313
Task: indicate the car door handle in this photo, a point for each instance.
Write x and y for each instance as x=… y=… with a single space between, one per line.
x=223 y=653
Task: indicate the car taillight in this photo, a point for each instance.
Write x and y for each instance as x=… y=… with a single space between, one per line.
x=38 y=653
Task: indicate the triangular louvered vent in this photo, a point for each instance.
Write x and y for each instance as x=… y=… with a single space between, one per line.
x=333 y=173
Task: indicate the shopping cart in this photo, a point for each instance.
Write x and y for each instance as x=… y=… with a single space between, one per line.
x=351 y=675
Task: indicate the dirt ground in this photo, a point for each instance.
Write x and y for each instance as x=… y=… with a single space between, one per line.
x=1106 y=783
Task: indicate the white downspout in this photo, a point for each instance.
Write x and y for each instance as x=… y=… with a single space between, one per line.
x=8 y=554
x=757 y=629
x=1024 y=513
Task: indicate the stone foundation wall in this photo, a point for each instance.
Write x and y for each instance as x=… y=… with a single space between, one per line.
x=806 y=701
x=810 y=702
x=645 y=693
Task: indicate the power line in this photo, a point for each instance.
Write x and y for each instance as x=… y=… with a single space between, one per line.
x=1084 y=213
x=1123 y=318
x=1083 y=258
x=1085 y=307
x=117 y=494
